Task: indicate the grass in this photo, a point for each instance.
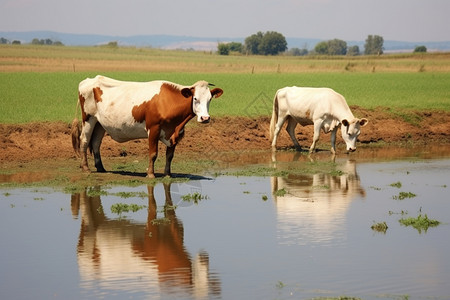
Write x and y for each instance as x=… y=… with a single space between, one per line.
x=35 y=97
x=404 y=195
x=40 y=83
x=381 y=227
x=194 y=197
x=421 y=223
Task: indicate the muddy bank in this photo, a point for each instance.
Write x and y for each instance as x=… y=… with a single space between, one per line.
x=29 y=142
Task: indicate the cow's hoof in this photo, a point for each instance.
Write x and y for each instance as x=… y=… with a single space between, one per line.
x=151 y=176
x=85 y=169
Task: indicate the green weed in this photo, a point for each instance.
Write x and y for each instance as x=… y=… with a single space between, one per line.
x=397 y=184
x=380 y=227
x=404 y=195
x=280 y=193
x=120 y=208
x=420 y=223
x=194 y=197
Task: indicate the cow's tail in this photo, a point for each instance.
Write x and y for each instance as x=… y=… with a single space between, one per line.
x=76 y=132
x=274 y=119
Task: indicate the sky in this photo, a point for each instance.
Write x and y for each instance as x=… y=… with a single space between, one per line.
x=349 y=20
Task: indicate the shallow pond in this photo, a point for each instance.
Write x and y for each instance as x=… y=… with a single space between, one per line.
x=300 y=235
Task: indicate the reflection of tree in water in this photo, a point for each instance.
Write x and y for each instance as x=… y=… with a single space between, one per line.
x=147 y=258
x=313 y=209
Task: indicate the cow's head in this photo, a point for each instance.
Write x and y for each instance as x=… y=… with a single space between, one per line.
x=351 y=130
x=201 y=96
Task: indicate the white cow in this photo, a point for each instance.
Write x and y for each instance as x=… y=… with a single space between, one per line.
x=321 y=107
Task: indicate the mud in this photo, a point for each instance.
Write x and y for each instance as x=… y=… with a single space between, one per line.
x=36 y=141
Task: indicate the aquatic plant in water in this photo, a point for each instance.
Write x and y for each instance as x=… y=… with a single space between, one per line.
x=380 y=227
x=420 y=223
x=404 y=195
x=194 y=197
x=120 y=208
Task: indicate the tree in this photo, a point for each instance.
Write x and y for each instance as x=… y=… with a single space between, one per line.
x=235 y=47
x=374 y=45
x=3 y=41
x=321 y=48
x=272 y=43
x=420 y=49
x=337 y=47
x=223 y=49
x=298 y=51
x=269 y=43
x=252 y=43
x=353 y=51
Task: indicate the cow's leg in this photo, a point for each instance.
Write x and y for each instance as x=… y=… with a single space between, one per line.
x=290 y=128
x=85 y=139
x=333 y=140
x=278 y=125
x=153 y=138
x=96 y=141
x=317 y=127
x=169 y=156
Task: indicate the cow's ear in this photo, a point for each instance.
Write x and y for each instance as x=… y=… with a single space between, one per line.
x=363 y=122
x=187 y=92
x=345 y=122
x=216 y=92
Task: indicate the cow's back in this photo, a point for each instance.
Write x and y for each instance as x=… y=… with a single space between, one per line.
x=111 y=102
x=312 y=103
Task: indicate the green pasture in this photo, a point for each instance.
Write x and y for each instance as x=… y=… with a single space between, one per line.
x=52 y=96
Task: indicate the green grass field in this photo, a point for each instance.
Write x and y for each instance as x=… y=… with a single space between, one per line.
x=39 y=83
x=28 y=97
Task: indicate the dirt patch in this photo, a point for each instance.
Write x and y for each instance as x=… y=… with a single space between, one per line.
x=36 y=141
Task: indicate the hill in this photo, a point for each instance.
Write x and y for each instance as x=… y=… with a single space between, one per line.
x=195 y=43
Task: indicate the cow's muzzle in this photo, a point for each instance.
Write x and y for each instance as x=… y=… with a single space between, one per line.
x=205 y=119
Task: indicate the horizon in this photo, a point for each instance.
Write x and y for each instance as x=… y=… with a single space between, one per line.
x=349 y=20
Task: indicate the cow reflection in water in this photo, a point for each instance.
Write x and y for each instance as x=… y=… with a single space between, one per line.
x=314 y=208
x=120 y=255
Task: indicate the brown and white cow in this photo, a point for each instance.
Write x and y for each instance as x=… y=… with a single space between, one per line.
x=157 y=110
x=321 y=107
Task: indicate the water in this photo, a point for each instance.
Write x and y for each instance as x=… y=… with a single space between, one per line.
x=244 y=240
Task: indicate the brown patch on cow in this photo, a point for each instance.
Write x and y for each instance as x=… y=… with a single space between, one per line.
x=308 y=114
x=139 y=111
x=83 y=113
x=97 y=94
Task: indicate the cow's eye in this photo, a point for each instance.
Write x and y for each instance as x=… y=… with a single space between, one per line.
x=195 y=99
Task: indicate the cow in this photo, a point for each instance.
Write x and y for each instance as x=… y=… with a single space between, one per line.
x=157 y=110
x=322 y=107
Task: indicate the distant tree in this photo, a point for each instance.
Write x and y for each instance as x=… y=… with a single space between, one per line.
x=269 y=43
x=374 y=45
x=58 y=43
x=321 y=48
x=272 y=43
x=223 y=49
x=113 y=44
x=353 y=51
x=298 y=51
x=252 y=43
x=235 y=47
x=3 y=41
x=337 y=47
x=420 y=49
x=16 y=42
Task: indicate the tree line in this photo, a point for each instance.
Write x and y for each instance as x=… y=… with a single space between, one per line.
x=273 y=43
x=35 y=41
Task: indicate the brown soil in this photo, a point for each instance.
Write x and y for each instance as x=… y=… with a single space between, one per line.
x=36 y=141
